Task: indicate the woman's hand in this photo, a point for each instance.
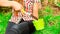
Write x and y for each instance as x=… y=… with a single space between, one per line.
x=16 y=6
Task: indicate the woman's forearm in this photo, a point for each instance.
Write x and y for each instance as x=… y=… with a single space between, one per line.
x=15 y=5
x=35 y=10
x=5 y=3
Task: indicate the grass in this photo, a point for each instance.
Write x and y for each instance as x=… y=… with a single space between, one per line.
x=52 y=23
x=4 y=18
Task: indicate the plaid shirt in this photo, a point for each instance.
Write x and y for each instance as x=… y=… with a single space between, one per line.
x=29 y=10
